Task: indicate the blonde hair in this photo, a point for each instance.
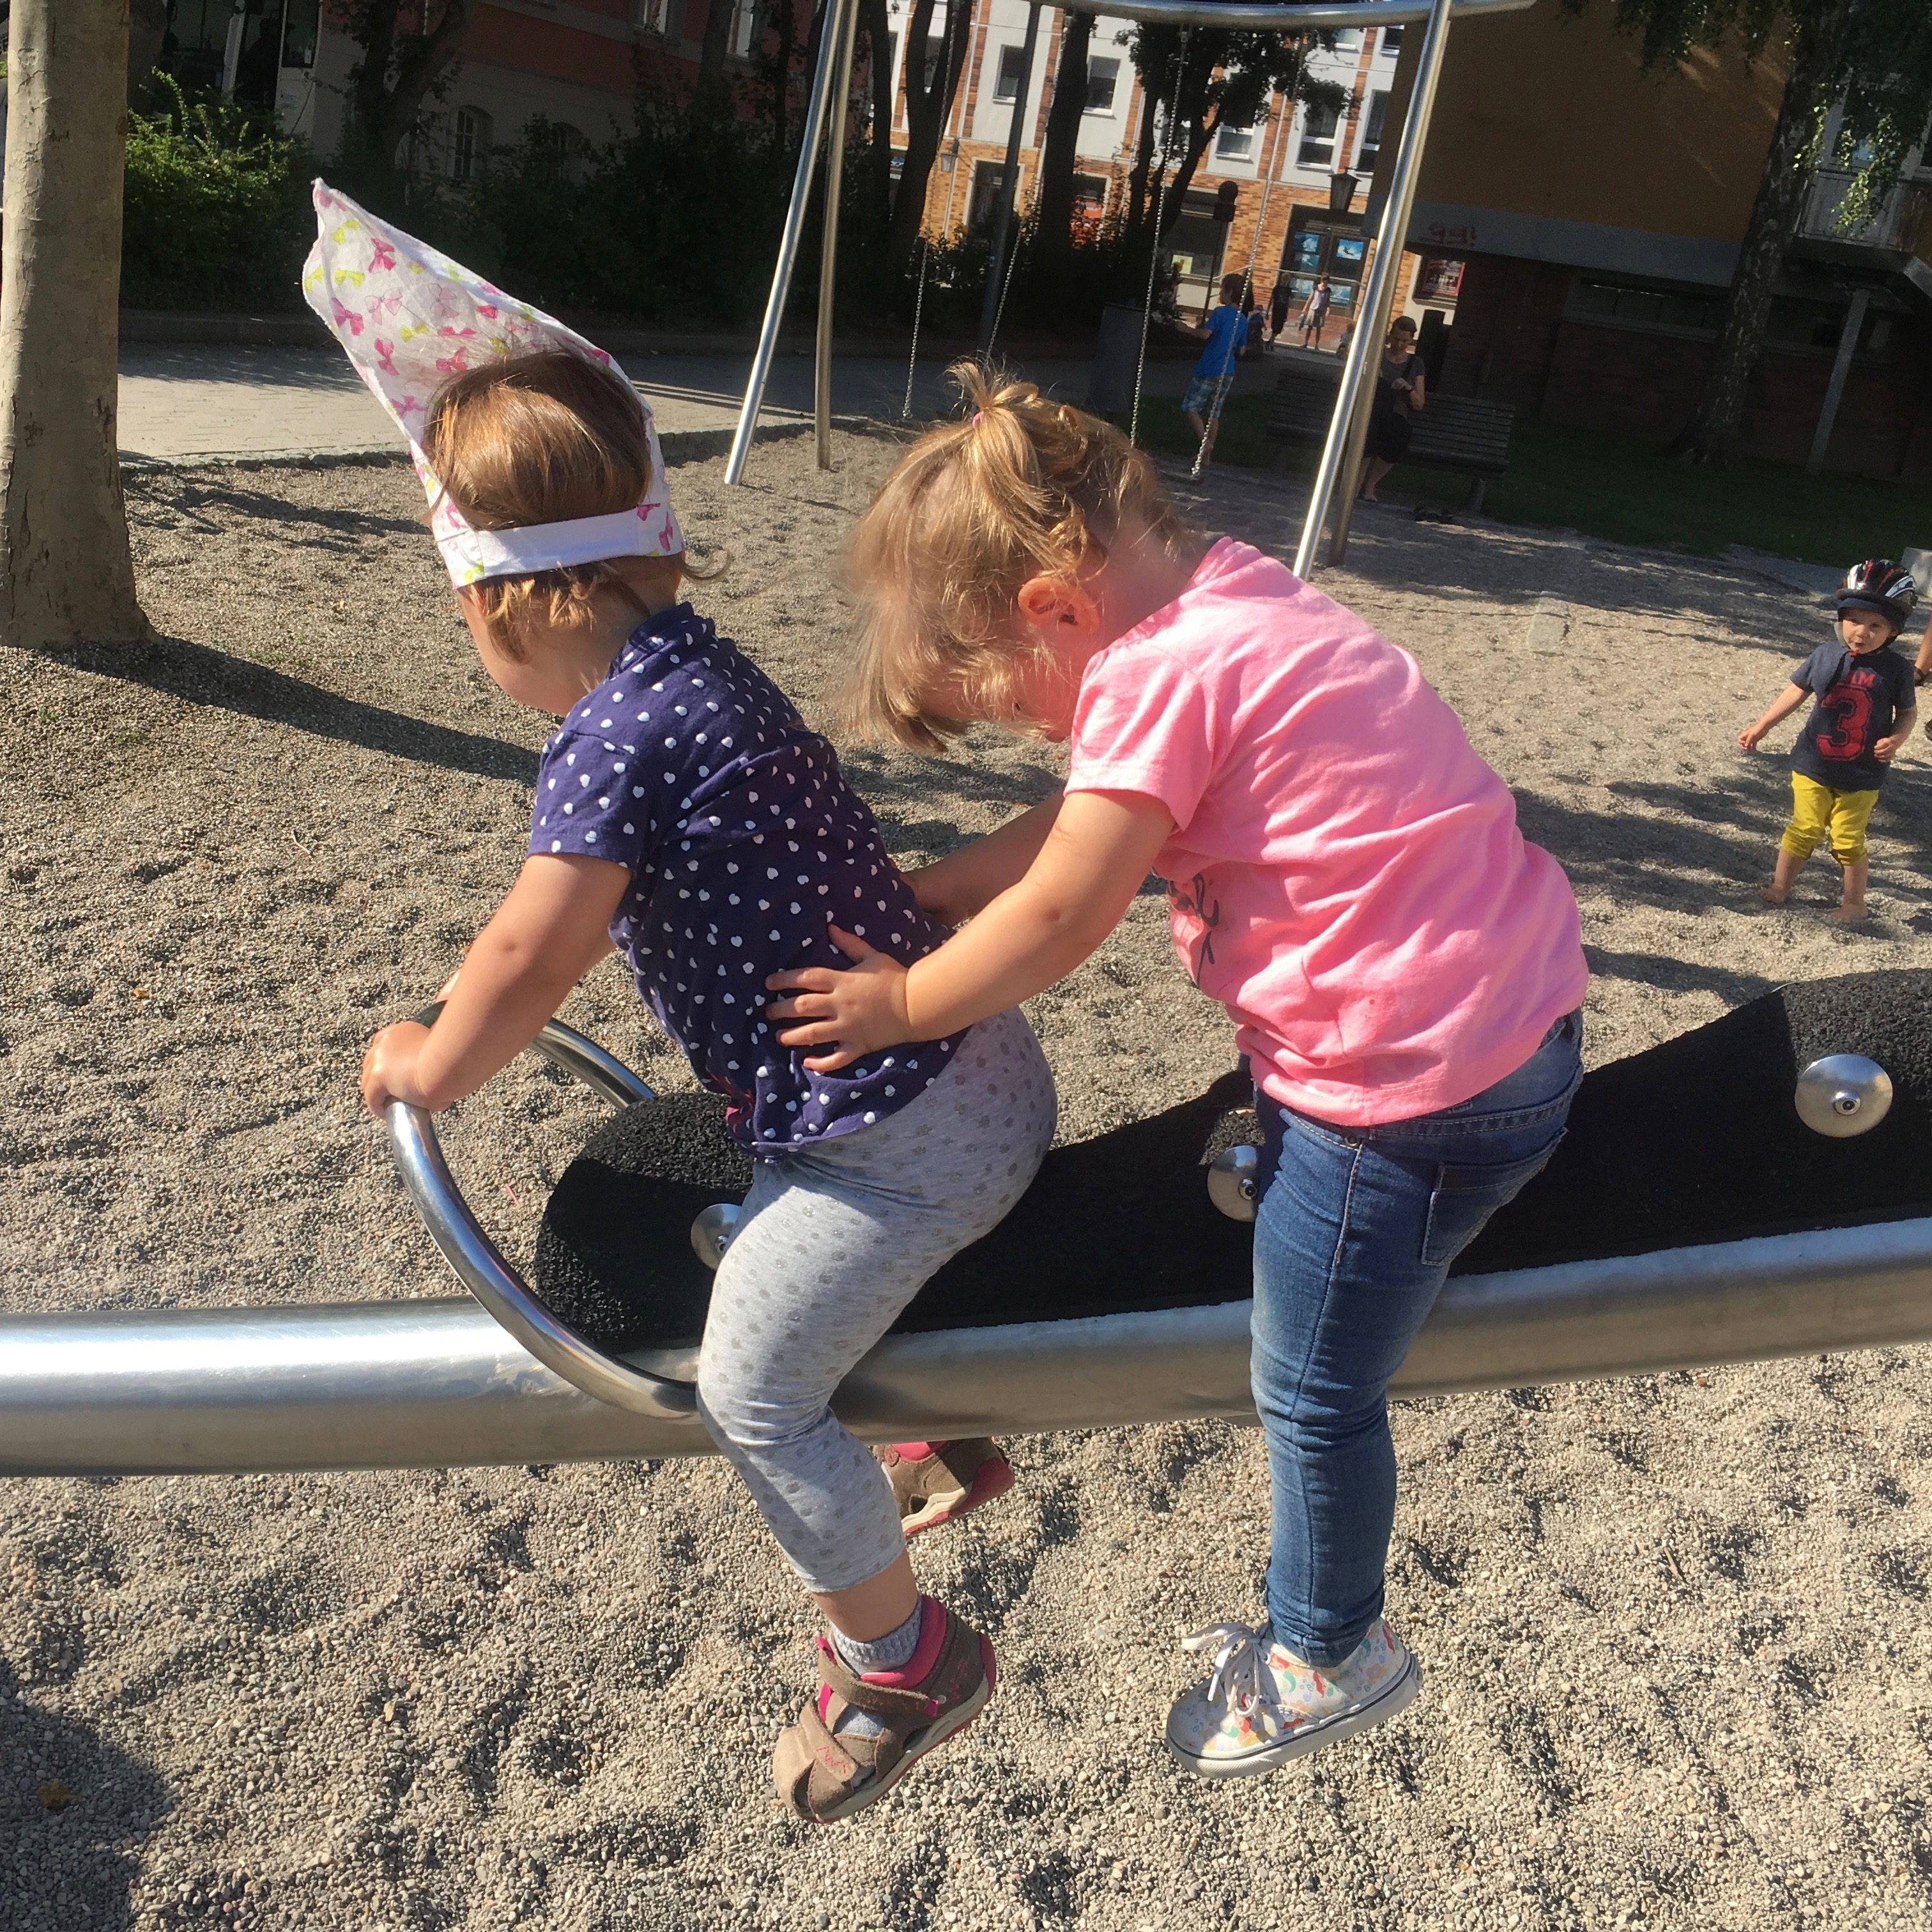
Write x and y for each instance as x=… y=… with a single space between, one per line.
x=543 y=438
x=1022 y=487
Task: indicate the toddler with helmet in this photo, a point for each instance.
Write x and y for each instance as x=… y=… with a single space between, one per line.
x=1865 y=710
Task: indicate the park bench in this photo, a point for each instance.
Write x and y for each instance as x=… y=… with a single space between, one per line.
x=1460 y=434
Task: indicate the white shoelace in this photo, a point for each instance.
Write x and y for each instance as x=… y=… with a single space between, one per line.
x=1242 y=1679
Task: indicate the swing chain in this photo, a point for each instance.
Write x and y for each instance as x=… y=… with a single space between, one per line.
x=1179 y=69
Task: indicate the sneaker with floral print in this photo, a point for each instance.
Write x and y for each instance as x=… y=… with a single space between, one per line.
x=1263 y=1705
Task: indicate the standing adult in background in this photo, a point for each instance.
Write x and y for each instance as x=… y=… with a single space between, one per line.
x=1315 y=312
x=1278 y=307
x=1401 y=384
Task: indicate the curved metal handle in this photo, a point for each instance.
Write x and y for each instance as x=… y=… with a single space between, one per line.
x=474 y=1260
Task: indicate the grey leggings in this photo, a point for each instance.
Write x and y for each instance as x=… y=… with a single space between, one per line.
x=834 y=1242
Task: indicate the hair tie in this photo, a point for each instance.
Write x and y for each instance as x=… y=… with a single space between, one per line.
x=976 y=415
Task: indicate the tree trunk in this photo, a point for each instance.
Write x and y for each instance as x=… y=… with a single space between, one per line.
x=383 y=107
x=1140 y=176
x=1054 y=229
x=66 y=573
x=926 y=109
x=785 y=26
x=713 y=89
x=1199 y=134
x=879 y=65
x=1817 y=40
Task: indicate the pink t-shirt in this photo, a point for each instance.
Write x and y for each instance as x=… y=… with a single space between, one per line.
x=1346 y=873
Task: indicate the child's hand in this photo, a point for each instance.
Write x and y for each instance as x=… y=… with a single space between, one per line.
x=389 y=1067
x=1886 y=749
x=857 y=1012
x=1751 y=737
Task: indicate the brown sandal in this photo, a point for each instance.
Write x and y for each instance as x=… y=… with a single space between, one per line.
x=934 y=1482
x=825 y=1775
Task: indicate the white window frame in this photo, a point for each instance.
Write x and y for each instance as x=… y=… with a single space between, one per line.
x=468 y=147
x=1302 y=137
x=1018 y=50
x=1113 y=86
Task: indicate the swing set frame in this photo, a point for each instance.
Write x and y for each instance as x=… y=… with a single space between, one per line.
x=1348 y=427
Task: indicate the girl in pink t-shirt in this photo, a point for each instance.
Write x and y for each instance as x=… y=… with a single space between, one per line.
x=1347 y=877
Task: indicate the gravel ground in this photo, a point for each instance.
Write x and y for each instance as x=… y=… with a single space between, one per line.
x=1673 y=1630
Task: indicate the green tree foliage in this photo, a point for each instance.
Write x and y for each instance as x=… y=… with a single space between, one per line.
x=215 y=208
x=1873 y=56
x=1199 y=81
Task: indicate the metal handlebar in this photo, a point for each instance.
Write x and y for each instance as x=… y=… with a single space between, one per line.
x=476 y=1261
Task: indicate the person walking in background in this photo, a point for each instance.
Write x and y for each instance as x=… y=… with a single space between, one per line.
x=1401 y=387
x=1278 y=307
x=1315 y=312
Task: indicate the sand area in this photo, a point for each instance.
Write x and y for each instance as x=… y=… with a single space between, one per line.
x=1674 y=1631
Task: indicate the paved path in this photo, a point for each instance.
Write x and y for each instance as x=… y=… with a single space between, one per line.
x=180 y=401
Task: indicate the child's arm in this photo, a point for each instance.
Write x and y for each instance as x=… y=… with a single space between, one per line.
x=1902 y=720
x=954 y=888
x=1782 y=706
x=1090 y=864
x=545 y=936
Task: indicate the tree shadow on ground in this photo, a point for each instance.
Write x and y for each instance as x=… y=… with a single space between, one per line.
x=74 y=1865
x=172 y=499
x=201 y=675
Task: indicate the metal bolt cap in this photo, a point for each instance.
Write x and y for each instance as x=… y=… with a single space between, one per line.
x=1231 y=1176
x=711 y=1233
x=1843 y=1094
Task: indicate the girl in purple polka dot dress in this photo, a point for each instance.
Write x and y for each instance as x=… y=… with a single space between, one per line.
x=685 y=817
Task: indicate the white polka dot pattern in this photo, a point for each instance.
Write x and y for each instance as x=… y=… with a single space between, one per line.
x=690 y=768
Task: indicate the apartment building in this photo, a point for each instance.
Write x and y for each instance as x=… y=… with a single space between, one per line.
x=1282 y=172
x=1591 y=224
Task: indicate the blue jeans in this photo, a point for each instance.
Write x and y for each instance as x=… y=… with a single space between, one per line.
x=1354 y=1237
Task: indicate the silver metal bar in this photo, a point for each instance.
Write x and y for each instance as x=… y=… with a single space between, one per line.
x=1370 y=13
x=794 y=223
x=828 y=260
x=435 y=1384
x=478 y=1264
x=1342 y=451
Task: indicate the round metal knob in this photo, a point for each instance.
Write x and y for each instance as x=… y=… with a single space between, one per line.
x=1231 y=1176
x=1843 y=1094
x=711 y=1233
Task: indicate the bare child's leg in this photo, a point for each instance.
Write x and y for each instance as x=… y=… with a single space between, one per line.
x=1852 y=909
x=1194 y=422
x=1782 y=880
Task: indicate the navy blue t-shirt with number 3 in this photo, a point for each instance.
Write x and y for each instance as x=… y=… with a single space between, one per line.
x=689 y=768
x=1859 y=699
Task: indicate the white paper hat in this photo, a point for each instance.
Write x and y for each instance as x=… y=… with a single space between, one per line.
x=409 y=319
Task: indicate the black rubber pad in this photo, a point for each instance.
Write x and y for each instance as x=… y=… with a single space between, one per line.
x=1694 y=1141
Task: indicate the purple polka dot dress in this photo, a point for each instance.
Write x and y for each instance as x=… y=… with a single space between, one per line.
x=689 y=768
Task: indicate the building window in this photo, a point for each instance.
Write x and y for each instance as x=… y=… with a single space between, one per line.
x=987 y=176
x=1347 y=40
x=744 y=26
x=664 y=18
x=1234 y=144
x=1090 y=206
x=1007 y=87
x=1373 y=117
x=1317 y=137
x=1103 y=76
x=468 y=143
x=1438 y=281
x=1391 y=41
x=935 y=53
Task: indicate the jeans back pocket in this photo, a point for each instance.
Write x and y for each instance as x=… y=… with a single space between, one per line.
x=1465 y=1195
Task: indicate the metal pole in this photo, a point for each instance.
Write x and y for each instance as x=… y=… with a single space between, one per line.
x=1348 y=428
x=801 y=194
x=1834 y=390
x=828 y=260
x=989 y=307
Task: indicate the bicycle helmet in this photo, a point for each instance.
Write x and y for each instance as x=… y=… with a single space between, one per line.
x=1878 y=584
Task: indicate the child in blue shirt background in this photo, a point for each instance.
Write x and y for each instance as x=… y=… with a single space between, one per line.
x=1226 y=331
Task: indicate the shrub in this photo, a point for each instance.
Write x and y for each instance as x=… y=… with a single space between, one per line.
x=215 y=210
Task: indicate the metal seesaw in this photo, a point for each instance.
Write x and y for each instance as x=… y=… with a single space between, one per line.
x=1679 y=1225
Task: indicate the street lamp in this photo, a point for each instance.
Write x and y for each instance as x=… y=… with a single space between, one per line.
x=1341 y=192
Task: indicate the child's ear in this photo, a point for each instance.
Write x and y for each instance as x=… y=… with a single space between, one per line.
x=1051 y=604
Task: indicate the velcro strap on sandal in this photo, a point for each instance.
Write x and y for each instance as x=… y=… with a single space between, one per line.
x=810 y=1767
x=905 y=1707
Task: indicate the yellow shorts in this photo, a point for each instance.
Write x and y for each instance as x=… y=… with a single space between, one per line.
x=1818 y=811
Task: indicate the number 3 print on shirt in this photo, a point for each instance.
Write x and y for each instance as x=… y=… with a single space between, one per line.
x=1849 y=707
